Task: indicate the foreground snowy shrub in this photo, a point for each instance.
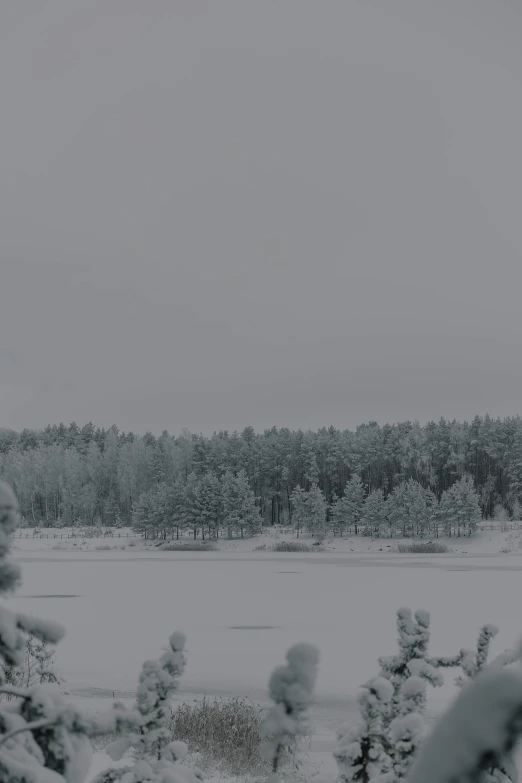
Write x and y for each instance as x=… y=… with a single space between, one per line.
x=385 y=743
x=226 y=734
x=44 y=739
x=291 y=689
x=37 y=667
x=477 y=733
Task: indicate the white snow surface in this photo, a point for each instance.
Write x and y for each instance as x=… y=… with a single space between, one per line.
x=129 y=602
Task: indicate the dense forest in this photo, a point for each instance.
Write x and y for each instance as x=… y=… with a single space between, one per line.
x=88 y=475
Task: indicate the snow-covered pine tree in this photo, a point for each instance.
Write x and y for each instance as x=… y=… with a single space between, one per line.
x=157 y=757
x=396 y=509
x=43 y=739
x=316 y=508
x=469 y=512
x=352 y=502
x=210 y=503
x=479 y=731
x=397 y=712
x=374 y=513
x=472 y=663
x=460 y=507
x=37 y=666
x=239 y=505
x=362 y=752
x=159 y=679
x=249 y=516
x=413 y=659
x=291 y=689
x=418 y=516
x=299 y=509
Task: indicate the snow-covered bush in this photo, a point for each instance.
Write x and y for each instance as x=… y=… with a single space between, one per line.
x=37 y=666
x=363 y=751
x=43 y=739
x=477 y=733
x=387 y=740
x=291 y=689
x=392 y=707
x=156 y=757
x=225 y=733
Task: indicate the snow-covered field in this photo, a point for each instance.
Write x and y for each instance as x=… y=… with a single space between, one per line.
x=119 y=608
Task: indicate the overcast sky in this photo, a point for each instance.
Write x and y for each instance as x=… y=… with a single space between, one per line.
x=220 y=214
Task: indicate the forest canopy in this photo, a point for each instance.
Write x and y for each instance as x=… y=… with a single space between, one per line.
x=71 y=474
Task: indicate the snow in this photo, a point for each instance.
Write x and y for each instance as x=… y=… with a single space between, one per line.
x=342 y=602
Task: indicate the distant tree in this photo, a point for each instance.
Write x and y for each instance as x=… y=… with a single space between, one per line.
x=374 y=513
x=316 y=510
x=309 y=511
x=240 y=511
x=151 y=514
x=460 y=507
x=347 y=510
x=299 y=509
x=210 y=503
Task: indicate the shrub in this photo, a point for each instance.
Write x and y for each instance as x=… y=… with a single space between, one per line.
x=291 y=689
x=193 y=546
x=423 y=548
x=226 y=733
x=37 y=667
x=291 y=546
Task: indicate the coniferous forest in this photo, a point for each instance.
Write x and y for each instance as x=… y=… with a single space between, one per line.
x=67 y=475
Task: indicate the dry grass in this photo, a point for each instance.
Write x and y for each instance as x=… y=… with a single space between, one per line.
x=296 y=546
x=225 y=734
x=193 y=546
x=423 y=548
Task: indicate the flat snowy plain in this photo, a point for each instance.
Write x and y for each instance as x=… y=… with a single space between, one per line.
x=119 y=607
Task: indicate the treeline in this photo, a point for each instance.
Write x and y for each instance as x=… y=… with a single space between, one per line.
x=68 y=475
x=409 y=510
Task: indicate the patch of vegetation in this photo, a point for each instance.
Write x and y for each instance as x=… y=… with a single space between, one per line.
x=193 y=546
x=292 y=546
x=225 y=734
x=423 y=548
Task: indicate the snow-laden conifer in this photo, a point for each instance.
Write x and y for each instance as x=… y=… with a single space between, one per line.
x=43 y=739
x=413 y=659
x=156 y=757
x=383 y=746
x=362 y=751
x=291 y=689
x=476 y=734
x=472 y=663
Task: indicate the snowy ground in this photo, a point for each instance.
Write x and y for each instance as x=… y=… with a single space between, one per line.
x=490 y=540
x=119 y=608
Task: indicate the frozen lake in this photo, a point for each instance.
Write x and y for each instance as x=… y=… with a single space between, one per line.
x=241 y=613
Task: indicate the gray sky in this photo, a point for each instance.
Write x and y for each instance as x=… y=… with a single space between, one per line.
x=216 y=214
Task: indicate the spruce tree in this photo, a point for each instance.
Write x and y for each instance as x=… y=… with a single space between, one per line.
x=299 y=509
x=316 y=512
x=43 y=738
x=374 y=513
